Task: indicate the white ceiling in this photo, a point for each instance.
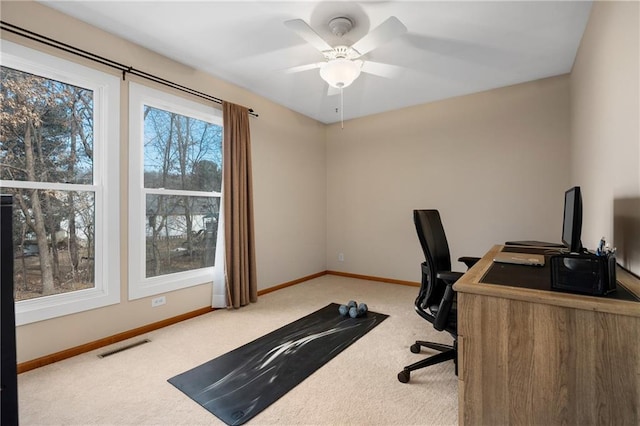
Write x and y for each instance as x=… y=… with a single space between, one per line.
x=451 y=48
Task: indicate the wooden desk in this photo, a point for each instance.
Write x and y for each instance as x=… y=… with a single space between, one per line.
x=546 y=358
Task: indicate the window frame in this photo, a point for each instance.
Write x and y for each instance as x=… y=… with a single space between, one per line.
x=139 y=285
x=105 y=186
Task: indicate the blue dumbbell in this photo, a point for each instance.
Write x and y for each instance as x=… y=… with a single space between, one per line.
x=357 y=312
x=344 y=309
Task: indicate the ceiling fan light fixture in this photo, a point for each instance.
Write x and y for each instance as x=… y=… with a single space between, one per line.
x=340 y=72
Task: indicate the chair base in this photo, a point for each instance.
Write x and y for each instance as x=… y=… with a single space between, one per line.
x=447 y=352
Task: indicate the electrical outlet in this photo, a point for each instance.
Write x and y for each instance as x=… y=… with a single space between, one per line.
x=157 y=301
x=341 y=257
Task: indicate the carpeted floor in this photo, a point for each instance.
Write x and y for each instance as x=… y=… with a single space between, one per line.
x=359 y=386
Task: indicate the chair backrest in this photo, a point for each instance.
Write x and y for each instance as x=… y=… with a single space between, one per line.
x=437 y=257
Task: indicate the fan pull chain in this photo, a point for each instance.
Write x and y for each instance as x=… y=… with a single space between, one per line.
x=342 y=107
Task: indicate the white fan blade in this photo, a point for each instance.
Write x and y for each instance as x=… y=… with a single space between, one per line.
x=388 y=30
x=301 y=68
x=380 y=69
x=308 y=34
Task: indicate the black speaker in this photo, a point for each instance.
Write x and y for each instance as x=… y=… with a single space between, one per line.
x=8 y=376
x=583 y=273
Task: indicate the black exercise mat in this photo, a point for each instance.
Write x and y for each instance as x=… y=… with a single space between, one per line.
x=239 y=384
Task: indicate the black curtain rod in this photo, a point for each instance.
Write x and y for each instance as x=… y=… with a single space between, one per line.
x=105 y=61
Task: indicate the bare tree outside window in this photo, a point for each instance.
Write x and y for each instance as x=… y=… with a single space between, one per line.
x=182 y=179
x=46 y=163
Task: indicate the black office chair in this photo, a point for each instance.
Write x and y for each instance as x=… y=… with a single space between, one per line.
x=436 y=301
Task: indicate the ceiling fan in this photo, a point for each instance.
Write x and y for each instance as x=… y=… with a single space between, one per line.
x=342 y=64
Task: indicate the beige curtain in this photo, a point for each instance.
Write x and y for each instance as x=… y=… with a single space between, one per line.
x=242 y=287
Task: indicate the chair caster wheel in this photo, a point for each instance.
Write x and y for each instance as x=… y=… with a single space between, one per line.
x=415 y=348
x=404 y=376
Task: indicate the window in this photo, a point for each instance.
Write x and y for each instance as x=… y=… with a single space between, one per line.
x=174 y=197
x=59 y=133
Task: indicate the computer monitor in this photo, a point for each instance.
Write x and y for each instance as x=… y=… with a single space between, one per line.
x=572 y=224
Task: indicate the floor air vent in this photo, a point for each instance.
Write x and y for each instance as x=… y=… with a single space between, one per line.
x=124 y=348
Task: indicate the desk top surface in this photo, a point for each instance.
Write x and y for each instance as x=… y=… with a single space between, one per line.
x=534 y=287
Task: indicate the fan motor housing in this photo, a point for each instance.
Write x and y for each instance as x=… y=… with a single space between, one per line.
x=340 y=26
x=345 y=52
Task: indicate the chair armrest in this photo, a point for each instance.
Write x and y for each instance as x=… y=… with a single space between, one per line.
x=442 y=317
x=469 y=261
x=449 y=277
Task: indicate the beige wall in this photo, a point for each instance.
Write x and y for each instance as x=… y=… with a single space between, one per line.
x=495 y=164
x=605 y=100
x=290 y=196
x=289 y=181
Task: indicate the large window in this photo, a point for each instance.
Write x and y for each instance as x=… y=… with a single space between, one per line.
x=59 y=133
x=175 y=184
